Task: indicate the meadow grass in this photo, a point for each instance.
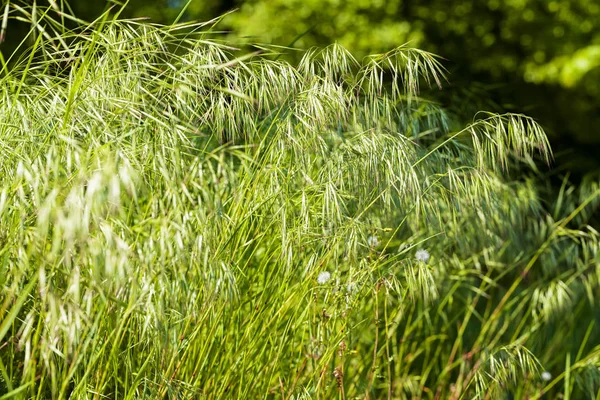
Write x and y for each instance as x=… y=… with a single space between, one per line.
x=181 y=221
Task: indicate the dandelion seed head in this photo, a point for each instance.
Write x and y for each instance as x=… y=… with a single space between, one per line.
x=546 y=376
x=323 y=277
x=423 y=255
x=373 y=241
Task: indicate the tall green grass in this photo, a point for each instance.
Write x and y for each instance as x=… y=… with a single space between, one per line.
x=176 y=222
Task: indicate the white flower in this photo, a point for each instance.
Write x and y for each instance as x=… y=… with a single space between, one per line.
x=323 y=277
x=352 y=288
x=546 y=376
x=373 y=241
x=423 y=255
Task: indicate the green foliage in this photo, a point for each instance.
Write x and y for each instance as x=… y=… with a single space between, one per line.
x=546 y=41
x=181 y=221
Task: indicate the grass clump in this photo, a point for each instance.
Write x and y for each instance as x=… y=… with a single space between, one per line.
x=176 y=222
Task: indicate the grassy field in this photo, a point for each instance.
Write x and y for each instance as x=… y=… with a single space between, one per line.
x=179 y=221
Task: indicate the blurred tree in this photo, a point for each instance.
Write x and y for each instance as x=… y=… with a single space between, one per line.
x=545 y=41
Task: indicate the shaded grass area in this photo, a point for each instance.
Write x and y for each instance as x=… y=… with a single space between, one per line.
x=176 y=222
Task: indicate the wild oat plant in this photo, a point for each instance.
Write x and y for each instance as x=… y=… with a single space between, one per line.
x=180 y=222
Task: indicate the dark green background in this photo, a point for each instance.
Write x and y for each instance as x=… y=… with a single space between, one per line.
x=540 y=57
